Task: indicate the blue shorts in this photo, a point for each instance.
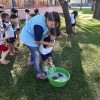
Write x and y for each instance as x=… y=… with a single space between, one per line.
x=74 y=24
x=11 y=40
x=45 y=57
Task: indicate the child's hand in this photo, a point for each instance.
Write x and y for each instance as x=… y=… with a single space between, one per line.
x=66 y=35
x=8 y=26
x=62 y=34
x=52 y=44
x=3 y=39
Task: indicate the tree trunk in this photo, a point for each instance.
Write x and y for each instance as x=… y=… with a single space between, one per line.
x=64 y=5
x=97 y=10
x=47 y=3
x=55 y=2
x=93 y=5
x=2 y=2
x=81 y=5
x=13 y=3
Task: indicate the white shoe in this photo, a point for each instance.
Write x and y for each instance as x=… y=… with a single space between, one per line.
x=45 y=68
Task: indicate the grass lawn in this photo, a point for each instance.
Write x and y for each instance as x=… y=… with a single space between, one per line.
x=79 y=55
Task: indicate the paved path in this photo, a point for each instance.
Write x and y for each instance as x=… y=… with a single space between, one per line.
x=41 y=10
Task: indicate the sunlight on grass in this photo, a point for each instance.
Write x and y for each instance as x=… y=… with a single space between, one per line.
x=20 y=65
x=23 y=98
x=89 y=58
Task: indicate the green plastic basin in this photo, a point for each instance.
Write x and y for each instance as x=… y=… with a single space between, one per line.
x=58 y=83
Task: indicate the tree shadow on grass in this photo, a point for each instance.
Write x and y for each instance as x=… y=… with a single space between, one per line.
x=77 y=88
x=27 y=87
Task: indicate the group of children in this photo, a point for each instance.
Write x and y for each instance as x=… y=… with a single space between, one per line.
x=9 y=29
x=29 y=15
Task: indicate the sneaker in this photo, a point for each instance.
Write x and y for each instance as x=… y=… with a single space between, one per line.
x=52 y=65
x=45 y=68
x=12 y=54
x=41 y=76
x=31 y=63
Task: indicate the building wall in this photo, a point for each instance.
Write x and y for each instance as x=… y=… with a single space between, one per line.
x=29 y=3
x=79 y=1
x=36 y=3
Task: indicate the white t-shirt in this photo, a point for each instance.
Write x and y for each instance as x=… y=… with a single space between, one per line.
x=1 y=23
x=43 y=50
x=10 y=31
x=27 y=17
x=72 y=18
x=1 y=36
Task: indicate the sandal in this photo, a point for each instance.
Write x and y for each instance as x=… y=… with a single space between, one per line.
x=15 y=52
x=7 y=61
x=4 y=62
x=12 y=54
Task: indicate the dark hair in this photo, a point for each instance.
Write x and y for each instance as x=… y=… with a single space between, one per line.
x=32 y=15
x=46 y=14
x=27 y=10
x=55 y=31
x=53 y=16
x=1 y=11
x=36 y=11
x=1 y=6
x=75 y=14
x=13 y=16
x=13 y=10
x=3 y=16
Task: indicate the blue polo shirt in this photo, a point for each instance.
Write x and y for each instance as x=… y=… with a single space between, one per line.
x=34 y=30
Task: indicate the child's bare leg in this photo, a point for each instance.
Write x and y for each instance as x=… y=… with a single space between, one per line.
x=74 y=29
x=50 y=59
x=4 y=55
x=46 y=65
x=11 y=50
x=13 y=47
x=18 y=40
x=51 y=62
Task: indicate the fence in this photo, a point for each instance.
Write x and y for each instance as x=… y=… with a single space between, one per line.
x=29 y=3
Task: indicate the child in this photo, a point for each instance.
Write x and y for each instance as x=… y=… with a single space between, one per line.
x=14 y=11
x=27 y=11
x=1 y=11
x=46 y=51
x=73 y=16
x=9 y=32
x=15 y=25
x=36 y=11
x=5 y=51
x=32 y=15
